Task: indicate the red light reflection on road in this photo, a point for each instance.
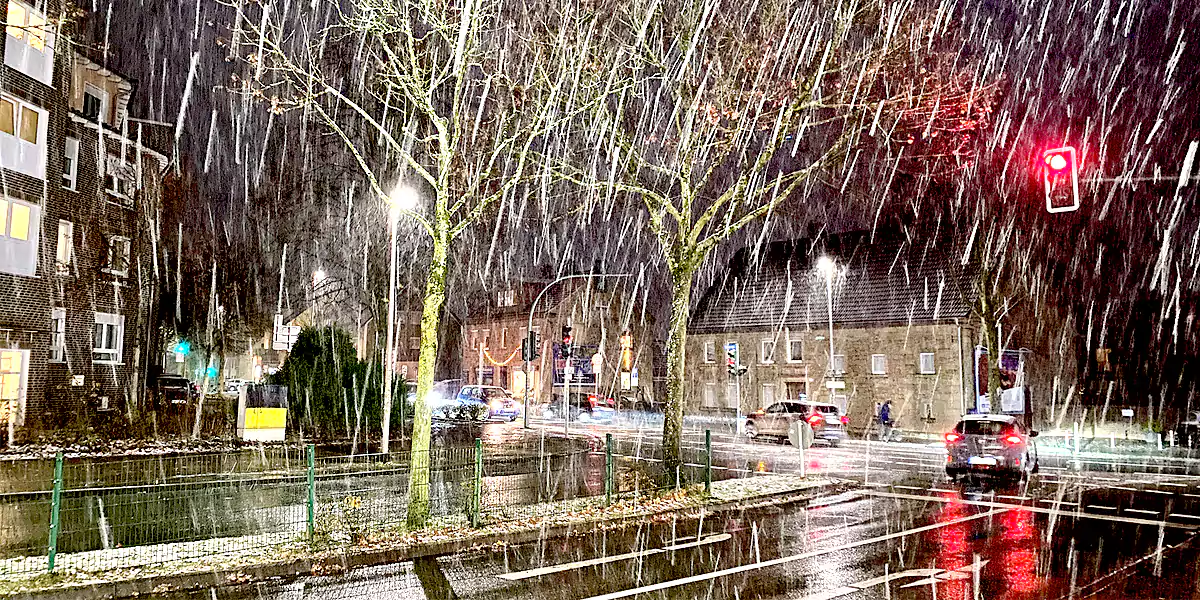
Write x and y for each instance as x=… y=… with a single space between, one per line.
x=954 y=547
x=1020 y=559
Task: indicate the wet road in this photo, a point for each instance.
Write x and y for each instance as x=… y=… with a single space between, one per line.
x=1114 y=527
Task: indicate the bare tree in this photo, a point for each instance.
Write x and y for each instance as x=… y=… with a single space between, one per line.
x=735 y=107
x=456 y=95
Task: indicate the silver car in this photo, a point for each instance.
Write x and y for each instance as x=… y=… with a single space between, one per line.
x=828 y=424
x=996 y=444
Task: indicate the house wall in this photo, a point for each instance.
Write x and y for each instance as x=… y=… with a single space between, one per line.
x=921 y=402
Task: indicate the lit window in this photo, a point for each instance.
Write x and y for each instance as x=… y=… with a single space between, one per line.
x=767 y=352
x=22 y=137
x=414 y=343
x=66 y=242
x=8 y=117
x=710 y=352
x=70 y=163
x=16 y=20
x=879 y=364
x=927 y=366
x=108 y=338
x=30 y=46
x=18 y=228
x=18 y=237
x=13 y=371
x=58 y=335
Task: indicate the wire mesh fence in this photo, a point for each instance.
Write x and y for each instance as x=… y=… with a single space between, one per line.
x=101 y=515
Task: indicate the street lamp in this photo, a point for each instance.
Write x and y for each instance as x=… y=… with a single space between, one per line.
x=402 y=198
x=826 y=266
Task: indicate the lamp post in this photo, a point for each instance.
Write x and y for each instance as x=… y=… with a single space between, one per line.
x=401 y=198
x=826 y=266
x=529 y=331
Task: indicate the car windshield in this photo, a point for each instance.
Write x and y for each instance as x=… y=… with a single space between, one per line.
x=494 y=393
x=984 y=427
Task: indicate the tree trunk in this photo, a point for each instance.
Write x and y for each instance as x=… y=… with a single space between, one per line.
x=991 y=335
x=681 y=295
x=431 y=312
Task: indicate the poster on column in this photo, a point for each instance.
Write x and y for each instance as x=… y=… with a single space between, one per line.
x=1013 y=390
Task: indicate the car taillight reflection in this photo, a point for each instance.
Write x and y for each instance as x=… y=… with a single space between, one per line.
x=815 y=419
x=1012 y=439
x=952 y=438
x=845 y=420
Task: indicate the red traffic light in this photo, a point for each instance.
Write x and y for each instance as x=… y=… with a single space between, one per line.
x=1060 y=174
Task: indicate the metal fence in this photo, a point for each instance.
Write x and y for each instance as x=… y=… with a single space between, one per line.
x=92 y=516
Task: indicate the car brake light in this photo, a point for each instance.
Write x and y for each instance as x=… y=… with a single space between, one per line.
x=815 y=418
x=845 y=420
x=1013 y=439
x=952 y=437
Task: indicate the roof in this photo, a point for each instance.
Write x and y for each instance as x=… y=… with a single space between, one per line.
x=889 y=283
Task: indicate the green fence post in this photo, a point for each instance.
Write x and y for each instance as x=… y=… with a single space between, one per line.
x=55 y=502
x=707 y=462
x=608 y=469
x=477 y=484
x=312 y=491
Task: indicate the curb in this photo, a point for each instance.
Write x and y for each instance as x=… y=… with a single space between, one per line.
x=244 y=578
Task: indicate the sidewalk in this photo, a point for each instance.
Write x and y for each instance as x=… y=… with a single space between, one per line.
x=254 y=558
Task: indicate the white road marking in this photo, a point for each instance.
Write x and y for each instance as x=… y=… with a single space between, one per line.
x=787 y=559
x=1060 y=502
x=1183 y=516
x=1017 y=498
x=1099 y=507
x=1036 y=509
x=1160 y=492
x=907 y=487
x=519 y=575
x=1140 y=511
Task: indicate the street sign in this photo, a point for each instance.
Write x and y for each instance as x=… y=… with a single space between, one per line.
x=626 y=380
x=633 y=377
x=835 y=385
x=1127 y=412
x=284 y=335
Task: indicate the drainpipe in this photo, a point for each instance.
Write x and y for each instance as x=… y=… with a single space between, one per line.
x=962 y=372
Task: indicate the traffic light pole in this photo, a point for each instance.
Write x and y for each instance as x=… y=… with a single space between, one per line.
x=529 y=331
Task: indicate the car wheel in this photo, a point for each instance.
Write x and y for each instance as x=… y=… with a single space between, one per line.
x=751 y=430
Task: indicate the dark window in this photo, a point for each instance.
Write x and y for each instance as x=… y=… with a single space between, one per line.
x=91 y=107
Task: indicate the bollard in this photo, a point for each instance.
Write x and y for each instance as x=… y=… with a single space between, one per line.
x=477 y=484
x=608 y=469
x=1159 y=434
x=55 y=503
x=707 y=462
x=312 y=491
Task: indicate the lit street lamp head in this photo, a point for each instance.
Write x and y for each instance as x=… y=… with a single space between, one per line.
x=403 y=197
x=826 y=266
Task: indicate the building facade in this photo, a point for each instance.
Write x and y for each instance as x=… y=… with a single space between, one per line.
x=81 y=195
x=901 y=332
x=612 y=346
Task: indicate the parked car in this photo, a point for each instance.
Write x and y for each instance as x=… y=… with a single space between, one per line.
x=583 y=406
x=499 y=402
x=637 y=401
x=173 y=389
x=994 y=444
x=827 y=421
x=232 y=386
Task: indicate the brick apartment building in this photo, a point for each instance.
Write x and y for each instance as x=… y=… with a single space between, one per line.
x=492 y=334
x=902 y=331
x=77 y=221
